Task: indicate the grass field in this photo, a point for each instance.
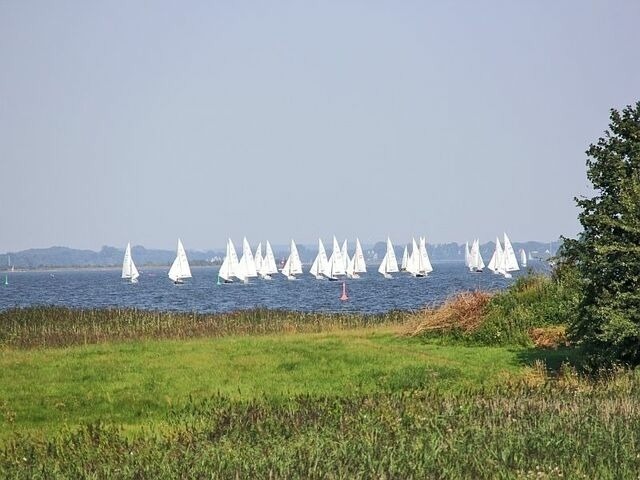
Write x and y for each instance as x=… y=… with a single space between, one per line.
x=118 y=396
x=134 y=383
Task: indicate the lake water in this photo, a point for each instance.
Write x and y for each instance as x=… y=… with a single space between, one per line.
x=370 y=294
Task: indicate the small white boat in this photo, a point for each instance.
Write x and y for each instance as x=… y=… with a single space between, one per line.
x=495 y=263
x=293 y=265
x=467 y=256
x=523 y=258
x=180 y=268
x=405 y=260
x=509 y=260
x=389 y=263
x=335 y=265
x=476 y=263
x=320 y=265
x=246 y=265
x=345 y=255
x=425 y=266
x=257 y=258
x=129 y=270
x=268 y=266
x=357 y=263
x=229 y=267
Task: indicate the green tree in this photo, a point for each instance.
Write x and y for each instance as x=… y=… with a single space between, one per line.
x=606 y=254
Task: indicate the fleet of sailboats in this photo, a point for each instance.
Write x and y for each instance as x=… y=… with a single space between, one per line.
x=415 y=261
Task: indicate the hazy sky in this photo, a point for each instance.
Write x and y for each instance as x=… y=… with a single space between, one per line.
x=146 y=121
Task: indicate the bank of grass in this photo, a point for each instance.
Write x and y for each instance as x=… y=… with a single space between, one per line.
x=51 y=326
x=135 y=383
x=538 y=427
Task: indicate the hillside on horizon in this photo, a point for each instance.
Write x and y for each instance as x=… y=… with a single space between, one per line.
x=107 y=256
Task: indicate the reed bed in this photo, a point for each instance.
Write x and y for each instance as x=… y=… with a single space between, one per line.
x=566 y=428
x=62 y=327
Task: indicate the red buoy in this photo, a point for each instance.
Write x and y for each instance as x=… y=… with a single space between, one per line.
x=344 y=297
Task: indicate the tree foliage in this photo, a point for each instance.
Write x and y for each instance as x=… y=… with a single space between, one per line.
x=606 y=254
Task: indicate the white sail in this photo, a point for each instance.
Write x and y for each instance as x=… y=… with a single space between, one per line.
x=405 y=260
x=246 y=266
x=510 y=262
x=296 y=264
x=336 y=263
x=225 y=271
x=180 y=267
x=229 y=267
x=523 y=258
x=257 y=258
x=359 y=265
x=413 y=262
x=425 y=266
x=496 y=259
x=467 y=255
x=293 y=265
x=320 y=265
x=476 y=263
x=345 y=255
x=268 y=266
x=350 y=270
x=389 y=263
x=129 y=269
x=383 y=267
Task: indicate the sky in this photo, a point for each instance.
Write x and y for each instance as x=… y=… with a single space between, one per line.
x=147 y=121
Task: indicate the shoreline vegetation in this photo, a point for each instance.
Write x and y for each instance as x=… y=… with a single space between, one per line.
x=466 y=389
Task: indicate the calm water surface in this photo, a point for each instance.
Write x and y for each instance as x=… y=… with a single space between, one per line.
x=370 y=294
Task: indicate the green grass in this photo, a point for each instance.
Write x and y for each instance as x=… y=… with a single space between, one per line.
x=568 y=427
x=135 y=383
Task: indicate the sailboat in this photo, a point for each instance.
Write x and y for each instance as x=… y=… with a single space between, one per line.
x=229 y=267
x=413 y=260
x=180 y=268
x=495 y=263
x=389 y=263
x=335 y=265
x=129 y=270
x=345 y=255
x=319 y=267
x=467 y=256
x=509 y=261
x=523 y=258
x=257 y=258
x=476 y=263
x=356 y=263
x=293 y=265
x=246 y=265
x=268 y=266
x=405 y=260
x=418 y=263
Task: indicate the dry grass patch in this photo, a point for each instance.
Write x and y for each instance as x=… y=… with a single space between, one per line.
x=463 y=312
x=553 y=336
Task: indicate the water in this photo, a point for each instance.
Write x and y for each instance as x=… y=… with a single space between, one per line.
x=370 y=294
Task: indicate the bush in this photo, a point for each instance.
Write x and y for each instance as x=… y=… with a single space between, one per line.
x=504 y=318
